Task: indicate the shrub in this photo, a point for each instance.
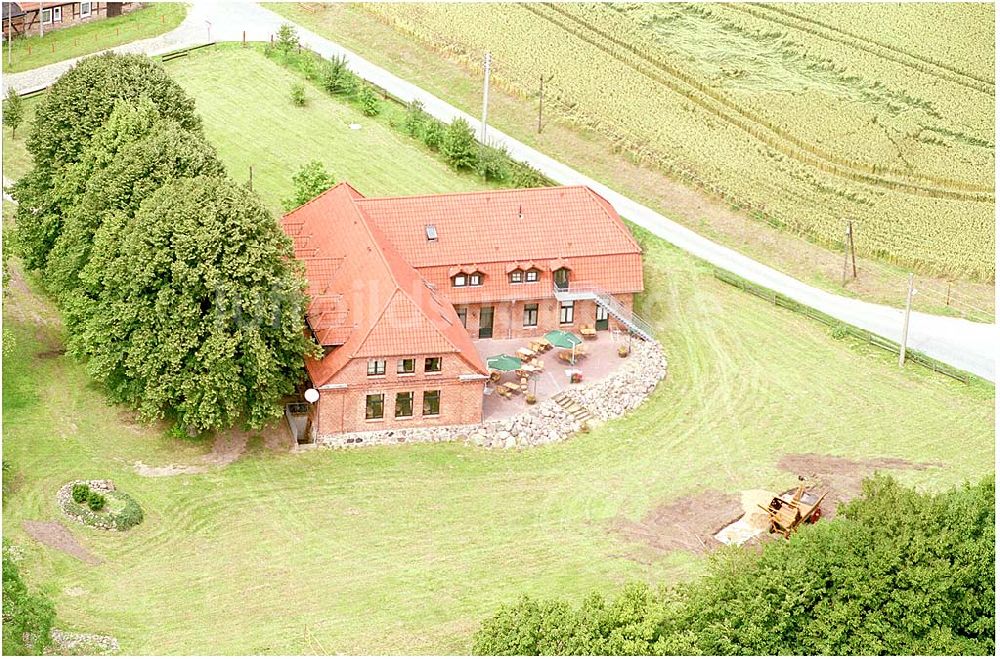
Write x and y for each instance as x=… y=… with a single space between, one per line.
x=459 y=145
x=96 y=501
x=288 y=38
x=526 y=176
x=80 y=492
x=415 y=118
x=369 y=101
x=494 y=164
x=336 y=78
x=433 y=133
x=27 y=615
x=310 y=181
x=298 y=94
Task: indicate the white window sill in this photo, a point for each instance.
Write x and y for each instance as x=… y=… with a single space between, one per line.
x=374 y=420
x=406 y=375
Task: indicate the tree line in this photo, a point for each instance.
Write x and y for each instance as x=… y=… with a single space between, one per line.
x=896 y=572
x=178 y=289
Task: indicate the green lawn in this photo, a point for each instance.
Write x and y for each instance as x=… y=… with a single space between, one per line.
x=91 y=37
x=406 y=549
x=256 y=124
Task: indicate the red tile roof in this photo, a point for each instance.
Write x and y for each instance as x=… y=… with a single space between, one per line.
x=365 y=299
x=361 y=255
x=540 y=224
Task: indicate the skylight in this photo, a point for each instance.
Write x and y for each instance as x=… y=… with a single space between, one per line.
x=431 y=231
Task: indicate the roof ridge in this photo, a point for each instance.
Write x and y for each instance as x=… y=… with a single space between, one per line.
x=472 y=193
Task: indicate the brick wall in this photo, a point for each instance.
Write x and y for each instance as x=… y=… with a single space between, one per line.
x=344 y=410
x=508 y=317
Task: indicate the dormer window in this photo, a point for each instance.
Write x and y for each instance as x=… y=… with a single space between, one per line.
x=476 y=279
x=517 y=277
x=561 y=278
x=458 y=281
x=531 y=276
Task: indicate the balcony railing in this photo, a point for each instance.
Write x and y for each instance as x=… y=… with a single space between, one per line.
x=588 y=291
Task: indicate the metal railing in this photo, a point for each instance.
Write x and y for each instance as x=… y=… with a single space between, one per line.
x=588 y=291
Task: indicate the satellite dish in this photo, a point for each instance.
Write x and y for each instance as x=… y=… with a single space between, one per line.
x=312 y=395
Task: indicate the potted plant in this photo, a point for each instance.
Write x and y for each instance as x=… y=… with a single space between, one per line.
x=623 y=351
x=530 y=399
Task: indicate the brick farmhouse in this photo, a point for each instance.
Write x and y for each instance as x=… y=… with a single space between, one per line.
x=401 y=287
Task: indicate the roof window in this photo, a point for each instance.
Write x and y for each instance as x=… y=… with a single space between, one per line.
x=432 y=232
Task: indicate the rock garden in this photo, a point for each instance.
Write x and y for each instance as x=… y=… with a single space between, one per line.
x=100 y=504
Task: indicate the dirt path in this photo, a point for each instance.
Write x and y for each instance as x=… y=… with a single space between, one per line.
x=841 y=477
x=687 y=523
x=227 y=448
x=58 y=537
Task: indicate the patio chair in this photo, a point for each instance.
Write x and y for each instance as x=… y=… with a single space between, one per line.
x=588 y=332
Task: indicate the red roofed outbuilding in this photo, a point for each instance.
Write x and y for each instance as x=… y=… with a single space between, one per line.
x=400 y=286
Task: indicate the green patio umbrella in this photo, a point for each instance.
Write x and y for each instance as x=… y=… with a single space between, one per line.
x=564 y=339
x=503 y=363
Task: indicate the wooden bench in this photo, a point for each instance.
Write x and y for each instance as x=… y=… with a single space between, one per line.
x=588 y=332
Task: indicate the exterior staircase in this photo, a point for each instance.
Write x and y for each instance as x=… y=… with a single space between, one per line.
x=615 y=309
x=573 y=408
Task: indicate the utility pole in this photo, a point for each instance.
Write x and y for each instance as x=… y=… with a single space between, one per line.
x=41 y=23
x=251 y=178
x=487 y=61
x=541 y=92
x=849 y=252
x=906 y=320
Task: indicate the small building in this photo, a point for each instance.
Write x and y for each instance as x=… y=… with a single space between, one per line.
x=400 y=287
x=33 y=18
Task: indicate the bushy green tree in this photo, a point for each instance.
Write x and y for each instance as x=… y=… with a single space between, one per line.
x=415 y=118
x=82 y=99
x=13 y=110
x=196 y=308
x=898 y=572
x=459 y=145
x=288 y=38
x=78 y=105
x=337 y=78
x=493 y=164
x=130 y=157
x=369 y=101
x=309 y=182
x=27 y=616
x=433 y=133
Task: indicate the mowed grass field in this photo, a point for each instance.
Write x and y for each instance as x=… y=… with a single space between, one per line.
x=405 y=549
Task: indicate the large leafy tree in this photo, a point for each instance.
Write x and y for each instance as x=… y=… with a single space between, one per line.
x=27 y=616
x=898 y=572
x=130 y=157
x=75 y=108
x=195 y=307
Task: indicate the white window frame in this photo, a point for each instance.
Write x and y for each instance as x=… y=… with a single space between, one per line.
x=517 y=277
x=57 y=14
x=401 y=366
x=376 y=368
x=531 y=276
x=47 y=21
x=476 y=279
x=529 y=308
x=566 y=313
x=89 y=6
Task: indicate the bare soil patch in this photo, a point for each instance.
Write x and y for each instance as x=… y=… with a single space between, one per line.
x=227 y=447
x=57 y=536
x=841 y=477
x=688 y=523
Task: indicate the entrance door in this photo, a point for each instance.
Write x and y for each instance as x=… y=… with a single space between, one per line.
x=602 y=318
x=486 y=322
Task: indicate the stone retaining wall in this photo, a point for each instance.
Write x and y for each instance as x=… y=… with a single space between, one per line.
x=545 y=423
